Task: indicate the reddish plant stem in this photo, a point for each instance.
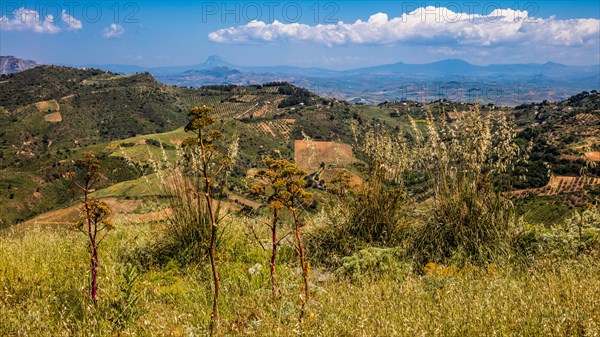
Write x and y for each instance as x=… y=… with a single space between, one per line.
x=303 y=263
x=214 y=318
x=92 y=238
x=274 y=252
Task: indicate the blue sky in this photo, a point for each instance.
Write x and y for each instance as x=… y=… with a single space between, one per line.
x=306 y=33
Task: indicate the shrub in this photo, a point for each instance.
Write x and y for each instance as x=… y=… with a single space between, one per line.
x=374 y=262
x=187 y=230
x=580 y=233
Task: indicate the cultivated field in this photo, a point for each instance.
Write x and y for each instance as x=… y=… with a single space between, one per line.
x=44 y=106
x=54 y=117
x=309 y=155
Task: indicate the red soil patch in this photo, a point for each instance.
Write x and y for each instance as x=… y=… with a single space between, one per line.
x=68 y=97
x=569 y=157
x=309 y=155
x=47 y=105
x=559 y=184
x=54 y=117
x=592 y=156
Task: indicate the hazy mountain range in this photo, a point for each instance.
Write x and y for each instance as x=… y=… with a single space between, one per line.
x=456 y=80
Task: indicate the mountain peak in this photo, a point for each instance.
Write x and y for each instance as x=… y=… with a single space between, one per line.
x=214 y=60
x=453 y=62
x=11 y=64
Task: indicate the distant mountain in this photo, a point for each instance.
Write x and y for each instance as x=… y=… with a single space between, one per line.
x=11 y=65
x=509 y=84
x=212 y=62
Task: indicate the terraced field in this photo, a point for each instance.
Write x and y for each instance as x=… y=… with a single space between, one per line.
x=568 y=188
x=280 y=128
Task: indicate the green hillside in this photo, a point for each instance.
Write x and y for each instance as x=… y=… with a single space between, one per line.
x=407 y=213
x=50 y=115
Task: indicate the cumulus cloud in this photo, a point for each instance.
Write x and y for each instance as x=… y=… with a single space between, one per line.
x=72 y=23
x=113 y=31
x=29 y=20
x=423 y=25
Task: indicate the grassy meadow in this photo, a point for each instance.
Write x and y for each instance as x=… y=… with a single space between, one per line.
x=43 y=273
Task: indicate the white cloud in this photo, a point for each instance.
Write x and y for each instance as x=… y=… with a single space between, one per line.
x=430 y=25
x=72 y=23
x=113 y=31
x=29 y=20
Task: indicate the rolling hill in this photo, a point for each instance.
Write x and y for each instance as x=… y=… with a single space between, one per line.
x=50 y=115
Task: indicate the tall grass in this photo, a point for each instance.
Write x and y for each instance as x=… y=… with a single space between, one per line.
x=188 y=230
x=466 y=163
x=373 y=214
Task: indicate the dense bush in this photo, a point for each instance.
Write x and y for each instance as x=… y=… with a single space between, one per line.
x=580 y=233
x=371 y=263
x=295 y=96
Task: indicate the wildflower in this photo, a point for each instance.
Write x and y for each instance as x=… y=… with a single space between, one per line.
x=255 y=269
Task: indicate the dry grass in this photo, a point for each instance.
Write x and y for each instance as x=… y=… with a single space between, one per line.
x=43 y=287
x=70 y=215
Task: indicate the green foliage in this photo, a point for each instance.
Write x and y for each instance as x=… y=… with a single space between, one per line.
x=376 y=215
x=125 y=305
x=295 y=96
x=577 y=234
x=468 y=227
x=373 y=217
x=372 y=263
